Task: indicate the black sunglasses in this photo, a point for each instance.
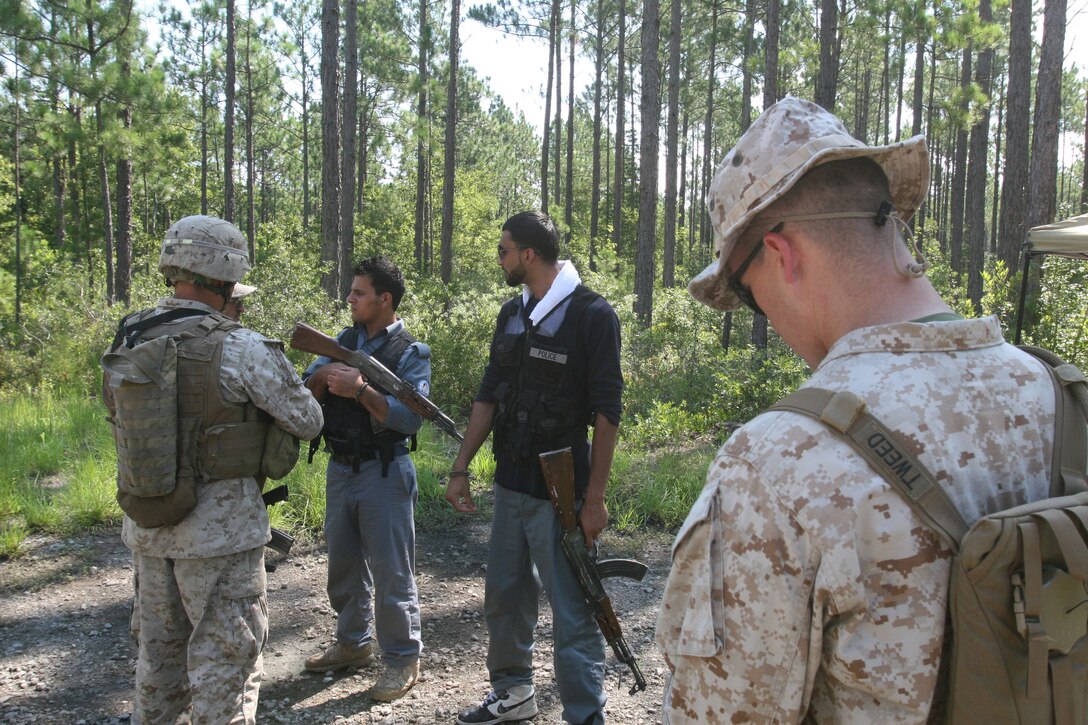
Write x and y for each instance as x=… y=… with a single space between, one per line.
x=744 y=294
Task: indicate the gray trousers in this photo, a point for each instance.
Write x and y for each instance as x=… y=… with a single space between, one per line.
x=525 y=554
x=371 y=534
x=200 y=625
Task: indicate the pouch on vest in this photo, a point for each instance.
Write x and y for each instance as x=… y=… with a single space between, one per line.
x=142 y=382
x=1018 y=595
x=280 y=453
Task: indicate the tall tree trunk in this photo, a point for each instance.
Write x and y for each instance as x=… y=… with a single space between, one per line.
x=902 y=65
x=422 y=165
x=123 y=284
x=683 y=219
x=746 y=65
x=977 y=165
x=1084 y=162
x=827 y=78
x=107 y=206
x=650 y=123
x=364 y=149
x=668 y=275
x=557 y=133
x=1014 y=185
x=770 y=97
x=228 y=119
x=704 y=178
x=919 y=83
x=595 y=190
x=349 y=126
x=959 y=171
x=930 y=138
x=617 y=195
x=251 y=166
x=16 y=172
x=545 y=146
x=306 y=203
x=204 y=162
x=885 y=76
x=568 y=197
x=59 y=170
x=330 y=147
x=1047 y=116
x=995 y=199
x=448 y=176
x=770 y=52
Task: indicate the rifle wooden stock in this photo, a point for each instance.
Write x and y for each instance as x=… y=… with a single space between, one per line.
x=558 y=467
x=308 y=339
x=314 y=341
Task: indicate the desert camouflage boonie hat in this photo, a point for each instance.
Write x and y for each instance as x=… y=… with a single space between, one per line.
x=787 y=140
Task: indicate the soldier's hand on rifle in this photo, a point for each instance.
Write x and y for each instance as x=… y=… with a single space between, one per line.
x=344 y=380
x=594 y=519
x=457 y=492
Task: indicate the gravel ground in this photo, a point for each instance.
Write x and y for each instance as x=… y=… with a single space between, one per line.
x=66 y=656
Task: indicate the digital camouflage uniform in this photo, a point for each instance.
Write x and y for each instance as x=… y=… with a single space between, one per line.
x=200 y=615
x=803 y=586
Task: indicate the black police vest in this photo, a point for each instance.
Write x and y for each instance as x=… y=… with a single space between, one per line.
x=348 y=432
x=540 y=405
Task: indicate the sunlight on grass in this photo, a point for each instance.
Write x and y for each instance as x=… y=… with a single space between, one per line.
x=656 y=488
x=58 y=474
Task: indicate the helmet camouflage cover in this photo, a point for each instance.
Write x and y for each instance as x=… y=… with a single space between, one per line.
x=205 y=246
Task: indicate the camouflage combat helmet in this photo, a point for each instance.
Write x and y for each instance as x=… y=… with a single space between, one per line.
x=206 y=247
x=787 y=140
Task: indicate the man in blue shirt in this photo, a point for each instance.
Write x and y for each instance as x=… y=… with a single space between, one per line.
x=371 y=487
x=553 y=371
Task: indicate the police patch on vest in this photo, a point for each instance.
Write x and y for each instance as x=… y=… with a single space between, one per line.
x=554 y=357
x=423 y=387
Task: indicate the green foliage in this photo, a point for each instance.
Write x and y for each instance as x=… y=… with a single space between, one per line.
x=1057 y=309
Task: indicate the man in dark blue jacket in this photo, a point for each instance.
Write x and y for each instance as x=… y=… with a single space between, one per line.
x=553 y=370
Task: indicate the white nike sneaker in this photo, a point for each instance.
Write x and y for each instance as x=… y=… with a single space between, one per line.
x=517 y=703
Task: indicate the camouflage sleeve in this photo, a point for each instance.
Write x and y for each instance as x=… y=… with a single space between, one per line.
x=271 y=383
x=737 y=618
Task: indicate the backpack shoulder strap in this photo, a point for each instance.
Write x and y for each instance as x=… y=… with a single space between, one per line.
x=1070 y=460
x=129 y=334
x=847 y=413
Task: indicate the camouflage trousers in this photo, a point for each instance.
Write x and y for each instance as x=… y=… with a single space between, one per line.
x=200 y=625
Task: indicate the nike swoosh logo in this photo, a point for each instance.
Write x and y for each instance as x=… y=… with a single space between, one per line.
x=503 y=709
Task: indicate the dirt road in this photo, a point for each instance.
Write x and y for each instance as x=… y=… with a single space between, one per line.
x=66 y=656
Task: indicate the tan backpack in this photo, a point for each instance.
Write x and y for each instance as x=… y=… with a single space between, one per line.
x=1018 y=599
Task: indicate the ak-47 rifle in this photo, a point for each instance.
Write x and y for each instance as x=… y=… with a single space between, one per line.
x=558 y=467
x=313 y=341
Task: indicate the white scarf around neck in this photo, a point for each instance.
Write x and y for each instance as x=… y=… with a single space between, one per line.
x=563 y=284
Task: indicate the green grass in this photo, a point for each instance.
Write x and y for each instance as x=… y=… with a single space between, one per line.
x=58 y=475
x=656 y=488
x=56 y=466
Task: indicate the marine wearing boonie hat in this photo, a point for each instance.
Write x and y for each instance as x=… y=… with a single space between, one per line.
x=787 y=140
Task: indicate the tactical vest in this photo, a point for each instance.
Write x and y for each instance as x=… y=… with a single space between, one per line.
x=212 y=438
x=349 y=432
x=539 y=404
